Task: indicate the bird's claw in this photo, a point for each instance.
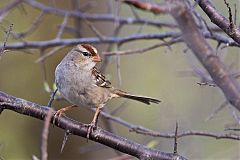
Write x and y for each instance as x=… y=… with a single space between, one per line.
x=91 y=127
x=57 y=115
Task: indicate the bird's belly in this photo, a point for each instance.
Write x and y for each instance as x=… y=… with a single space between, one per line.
x=79 y=91
x=89 y=96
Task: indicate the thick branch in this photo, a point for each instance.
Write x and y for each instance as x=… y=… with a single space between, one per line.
x=99 y=135
x=203 y=51
x=220 y=20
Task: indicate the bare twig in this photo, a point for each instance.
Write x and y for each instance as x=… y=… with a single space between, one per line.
x=44 y=154
x=235 y=14
x=142 y=50
x=94 y=29
x=175 y=140
x=232 y=129
x=145 y=131
x=43 y=67
x=50 y=53
x=31 y=28
x=118 y=59
x=102 y=17
x=64 y=23
x=52 y=98
x=223 y=105
x=72 y=41
x=6 y=39
x=95 y=17
x=5 y=10
x=66 y=135
x=109 y=40
x=230 y=18
x=189 y=133
x=235 y=115
x=156 y=9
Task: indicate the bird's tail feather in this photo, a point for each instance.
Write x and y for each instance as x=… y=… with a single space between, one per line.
x=143 y=99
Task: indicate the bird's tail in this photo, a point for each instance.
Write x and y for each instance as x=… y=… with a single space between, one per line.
x=143 y=99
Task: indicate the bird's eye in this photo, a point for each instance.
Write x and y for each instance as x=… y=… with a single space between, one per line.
x=86 y=54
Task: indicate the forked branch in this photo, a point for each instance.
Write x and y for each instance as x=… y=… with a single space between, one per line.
x=99 y=135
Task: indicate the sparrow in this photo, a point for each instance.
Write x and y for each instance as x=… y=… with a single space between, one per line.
x=82 y=84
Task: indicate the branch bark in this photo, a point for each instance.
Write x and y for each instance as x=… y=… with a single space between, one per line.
x=230 y=29
x=111 y=40
x=204 y=52
x=99 y=135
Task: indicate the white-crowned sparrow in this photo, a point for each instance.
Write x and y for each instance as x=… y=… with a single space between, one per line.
x=80 y=82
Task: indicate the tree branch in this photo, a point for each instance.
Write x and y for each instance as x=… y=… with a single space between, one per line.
x=95 y=17
x=110 y=40
x=99 y=135
x=230 y=29
x=186 y=133
x=8 y=7
x=72 y=41
x=204 y=52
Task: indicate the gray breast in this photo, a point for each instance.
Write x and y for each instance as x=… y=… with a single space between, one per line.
x=76 y=85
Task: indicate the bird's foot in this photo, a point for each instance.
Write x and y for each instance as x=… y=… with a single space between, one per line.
x=57 y=115
x=61 y=112
x=91 y=127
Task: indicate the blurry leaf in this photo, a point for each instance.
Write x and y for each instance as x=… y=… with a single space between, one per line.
x=34 y=157
x=46 y=87
x=152 y=144
x=54 y=86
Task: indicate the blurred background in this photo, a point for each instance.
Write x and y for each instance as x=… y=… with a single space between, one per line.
x=163 y=73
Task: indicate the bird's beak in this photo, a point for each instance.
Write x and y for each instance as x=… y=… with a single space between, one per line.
x=96 y=58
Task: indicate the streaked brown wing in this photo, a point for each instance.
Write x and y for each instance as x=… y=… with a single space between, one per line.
x=101 y=80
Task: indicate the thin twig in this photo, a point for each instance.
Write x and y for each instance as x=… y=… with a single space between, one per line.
x=145 y=131
x=49 y=54
x=43 y=67
x=94 y=29
x=231 y=26
x=5 y=10
x=52 y=98
x=223 y=105
x=47 y=121
x=118 y=59
x=142 y=50
x=66 y=135
x=6 y=39
x=235 y=13
x=190 y=133
x=154 y=8
x=111 y=40
x=31 y=28
x=95 y=17
x=64 y=23
x=175 y=140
